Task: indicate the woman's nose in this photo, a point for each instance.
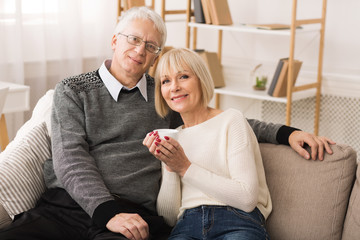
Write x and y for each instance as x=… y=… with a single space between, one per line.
x=174 y=86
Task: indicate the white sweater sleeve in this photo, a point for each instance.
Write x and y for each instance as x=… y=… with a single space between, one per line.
x=238 y=188
x=169 y=198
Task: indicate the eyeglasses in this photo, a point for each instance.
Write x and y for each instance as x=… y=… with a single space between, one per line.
x=134 y=40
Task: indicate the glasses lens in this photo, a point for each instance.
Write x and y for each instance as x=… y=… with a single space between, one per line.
x=134 y=40
x=151 y=47
x=138 y=41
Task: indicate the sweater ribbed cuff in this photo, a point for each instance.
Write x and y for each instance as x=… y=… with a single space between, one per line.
x=283 y=134
x=104 y=212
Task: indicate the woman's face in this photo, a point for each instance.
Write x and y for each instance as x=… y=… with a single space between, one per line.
x=181 y=90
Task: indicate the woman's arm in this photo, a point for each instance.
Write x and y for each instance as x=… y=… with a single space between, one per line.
x=169 y=198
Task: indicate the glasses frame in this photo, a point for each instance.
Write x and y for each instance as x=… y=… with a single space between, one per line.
x=141 y=41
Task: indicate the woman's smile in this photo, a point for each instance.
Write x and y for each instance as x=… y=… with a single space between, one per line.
x=179 y=97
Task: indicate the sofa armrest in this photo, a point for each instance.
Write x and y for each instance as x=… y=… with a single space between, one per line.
x=351 y=229
x=309 y=197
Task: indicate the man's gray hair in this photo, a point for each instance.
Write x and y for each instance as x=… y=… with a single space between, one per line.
x=142 y=13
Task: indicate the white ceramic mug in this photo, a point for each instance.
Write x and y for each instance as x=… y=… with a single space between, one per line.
x=167 y=132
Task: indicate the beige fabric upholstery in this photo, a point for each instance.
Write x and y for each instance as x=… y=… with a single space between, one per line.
x=309 y=197
x=352 y=223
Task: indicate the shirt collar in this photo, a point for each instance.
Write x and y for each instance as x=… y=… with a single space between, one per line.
x=114 y=86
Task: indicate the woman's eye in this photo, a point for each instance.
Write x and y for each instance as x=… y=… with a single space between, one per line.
x=164 y=81
x=184 y=76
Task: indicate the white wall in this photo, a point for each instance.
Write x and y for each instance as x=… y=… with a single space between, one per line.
x=341 y=68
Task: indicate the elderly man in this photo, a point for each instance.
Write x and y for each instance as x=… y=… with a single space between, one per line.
x=102 y=182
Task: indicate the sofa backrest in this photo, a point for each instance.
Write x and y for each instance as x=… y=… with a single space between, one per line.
x=351 y=229
x=309 y=197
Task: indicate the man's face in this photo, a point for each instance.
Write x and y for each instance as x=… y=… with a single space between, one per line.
x=133 y=61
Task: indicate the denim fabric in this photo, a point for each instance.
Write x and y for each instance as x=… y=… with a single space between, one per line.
x=220 y=222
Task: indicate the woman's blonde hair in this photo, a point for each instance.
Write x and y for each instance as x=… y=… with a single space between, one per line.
x=176 y=60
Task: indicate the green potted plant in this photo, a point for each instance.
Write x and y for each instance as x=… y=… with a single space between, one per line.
x=260 y=83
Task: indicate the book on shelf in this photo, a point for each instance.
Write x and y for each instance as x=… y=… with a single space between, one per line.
x=275 y=77
x=281 y=77
x=198 y=12
x=213 y=63
x=220 y=12
x=271 y=26
x=281 y=85
x=206 y=11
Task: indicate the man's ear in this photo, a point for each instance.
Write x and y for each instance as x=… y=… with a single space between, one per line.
x=113 y=42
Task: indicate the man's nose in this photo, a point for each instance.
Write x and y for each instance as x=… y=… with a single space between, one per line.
x=141 y=48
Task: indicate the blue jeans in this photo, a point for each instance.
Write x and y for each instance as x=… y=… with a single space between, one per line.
x=220 y=222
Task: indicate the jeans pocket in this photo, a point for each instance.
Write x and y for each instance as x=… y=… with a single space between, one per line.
x=255 y=216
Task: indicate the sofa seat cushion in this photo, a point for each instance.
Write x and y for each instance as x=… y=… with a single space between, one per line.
x=309 y=197
x=21 y=171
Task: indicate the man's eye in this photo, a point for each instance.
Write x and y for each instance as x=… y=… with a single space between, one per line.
x=134 y=39
x=151 y=47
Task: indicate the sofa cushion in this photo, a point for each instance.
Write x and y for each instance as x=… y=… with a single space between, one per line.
x=40 y=114
x=21 y=171
x=309 y=197
x=351 y=229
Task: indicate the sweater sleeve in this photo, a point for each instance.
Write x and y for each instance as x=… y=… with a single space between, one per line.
x=73 y=165
x=270 y=132
x=240 y=188
x=169 y=198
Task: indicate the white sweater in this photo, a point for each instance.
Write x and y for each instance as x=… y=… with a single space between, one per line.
x=226 y=169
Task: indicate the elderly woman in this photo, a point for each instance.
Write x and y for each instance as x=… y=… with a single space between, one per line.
x=213 y=184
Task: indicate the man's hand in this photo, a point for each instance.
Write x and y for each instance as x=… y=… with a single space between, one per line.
x=131 y=225
x=297 y=139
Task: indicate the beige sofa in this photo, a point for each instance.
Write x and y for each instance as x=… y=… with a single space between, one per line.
x=311 y=199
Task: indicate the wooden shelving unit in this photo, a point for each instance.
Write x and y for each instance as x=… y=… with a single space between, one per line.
x=123 y=5
x=293 y=92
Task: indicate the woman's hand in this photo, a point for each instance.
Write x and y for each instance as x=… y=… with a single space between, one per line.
x=149 y=141
x=169 y=151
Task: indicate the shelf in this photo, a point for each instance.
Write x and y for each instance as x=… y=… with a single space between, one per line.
x=246 y=29
x=241 y=89
x=245 y=89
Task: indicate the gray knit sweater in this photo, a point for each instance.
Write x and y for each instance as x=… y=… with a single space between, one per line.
x=97 y=143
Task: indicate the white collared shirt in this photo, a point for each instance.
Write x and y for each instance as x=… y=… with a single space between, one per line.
x=114 y=86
